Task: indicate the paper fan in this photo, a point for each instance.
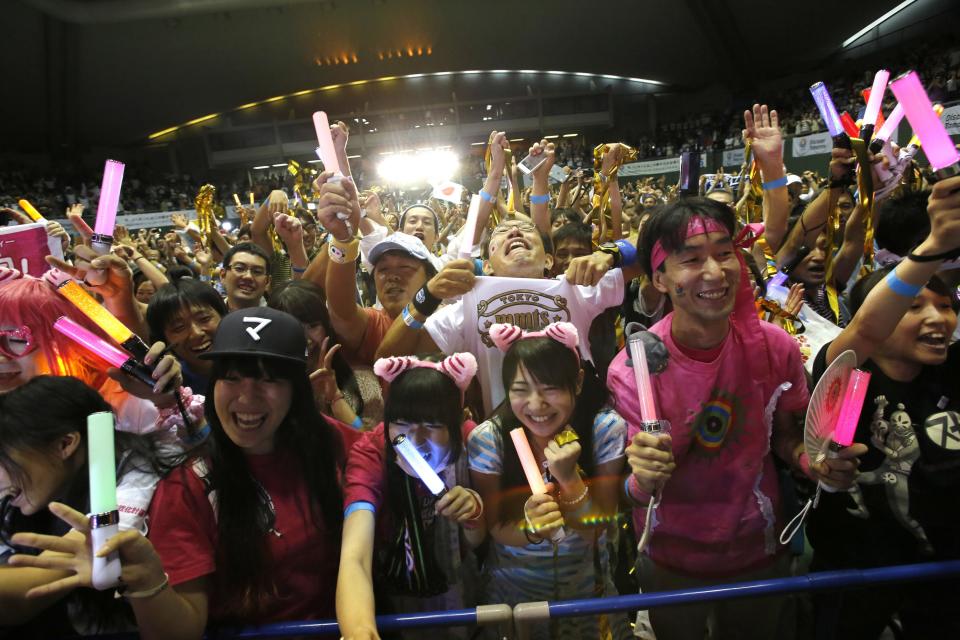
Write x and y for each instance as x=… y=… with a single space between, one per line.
x=825 y=405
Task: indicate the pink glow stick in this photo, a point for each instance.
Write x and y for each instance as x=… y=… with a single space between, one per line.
x=890 y=125
x=96 y=345
x=325 y=151
x=109 y=198
x=876 y=97
x=470 y=228
x=530 y=467
x=937 y=145
x=648 y=408
x=852 y=406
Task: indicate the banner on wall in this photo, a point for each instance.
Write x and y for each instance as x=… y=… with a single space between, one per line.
x=656 y=167
x=951 y=119
x=733 y=157
x=814 y=144
x=24 y=247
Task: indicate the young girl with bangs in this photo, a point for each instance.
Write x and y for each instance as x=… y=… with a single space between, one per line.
x=397 y=536
x=248 y=531
x=579 y=444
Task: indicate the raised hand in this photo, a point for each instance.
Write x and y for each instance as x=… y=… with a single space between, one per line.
x=762 y=128
x=289 y=229
x=337 y=197
x=179 y=220
x=455 y=279
x=498 y=159
x=324 y=379
x=562 y=460
x=340 y=134
x=548 y=150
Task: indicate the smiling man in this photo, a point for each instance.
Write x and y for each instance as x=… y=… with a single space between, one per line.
x=245 y=275
x=732 y=390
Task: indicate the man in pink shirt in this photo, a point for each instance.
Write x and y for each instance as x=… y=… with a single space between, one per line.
x=733 y=391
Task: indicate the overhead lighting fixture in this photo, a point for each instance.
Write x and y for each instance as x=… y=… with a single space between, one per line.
x=263 y=166
x=314 y=161
x=282 y=164
x=551 y=137
x=889 y=14
x=477 y=144
x=423 y=167
x=517 y=139
x=570 y=135
x=352 y=157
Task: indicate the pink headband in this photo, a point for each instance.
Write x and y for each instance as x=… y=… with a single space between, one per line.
x=460 y=367
x=698 y=225
x=504 y=335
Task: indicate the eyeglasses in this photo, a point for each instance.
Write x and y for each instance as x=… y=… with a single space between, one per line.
x=506 y=228
x=241 y=269
x=16 y=343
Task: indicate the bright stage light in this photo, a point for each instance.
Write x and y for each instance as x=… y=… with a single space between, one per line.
x=425 y=166
x=226 y=226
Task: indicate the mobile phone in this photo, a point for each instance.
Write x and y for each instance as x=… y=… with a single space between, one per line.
x=689 y=173
x=529 y=164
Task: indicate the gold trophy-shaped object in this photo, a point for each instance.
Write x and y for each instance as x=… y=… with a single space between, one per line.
x=207 y=218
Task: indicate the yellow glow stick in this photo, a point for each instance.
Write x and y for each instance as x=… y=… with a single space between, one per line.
x=31 y=211
x=100 y=316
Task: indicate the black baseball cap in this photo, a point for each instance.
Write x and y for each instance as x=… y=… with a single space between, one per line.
x=260 y=332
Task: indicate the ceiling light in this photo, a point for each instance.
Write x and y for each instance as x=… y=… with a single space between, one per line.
x=263 y=166
x=551 y=137
x=282 y=164
x=570 y=135
x=889 y=14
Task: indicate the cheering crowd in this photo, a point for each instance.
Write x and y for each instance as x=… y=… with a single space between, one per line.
x=259 y=480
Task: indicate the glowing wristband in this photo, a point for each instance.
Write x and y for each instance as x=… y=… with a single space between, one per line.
x=543 y=199
x=486 y=196
x=409 y=320
x=775 y=184
x=902 y=288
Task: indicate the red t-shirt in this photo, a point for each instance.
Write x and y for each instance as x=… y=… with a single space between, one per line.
x=303 y=560
x=378 y=323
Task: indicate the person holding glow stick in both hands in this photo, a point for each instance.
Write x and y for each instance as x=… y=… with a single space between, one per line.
x=732 y=390
x=410 y=515
x=577 y=444
x=903 y=508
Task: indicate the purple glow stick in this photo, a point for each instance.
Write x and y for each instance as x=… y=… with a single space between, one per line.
x=828 y=112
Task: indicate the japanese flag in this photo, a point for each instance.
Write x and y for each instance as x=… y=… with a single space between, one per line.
x=449 y=191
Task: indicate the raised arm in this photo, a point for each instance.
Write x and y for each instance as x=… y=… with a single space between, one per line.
x=885 y=305
x=540 y=196
x=762 y=128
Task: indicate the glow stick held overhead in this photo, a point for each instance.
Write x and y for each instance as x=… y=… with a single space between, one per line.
x=874 y=103
x=470 y=228
x=104 y=514
x=112 y=355
x=849 y=125
x=100 y=316
x=886 y=131
x=102 y=237
x=937 y=146
x=328 y=155
x=31 y=211
x=424 y=471
x=828 y=112
x=236 y=200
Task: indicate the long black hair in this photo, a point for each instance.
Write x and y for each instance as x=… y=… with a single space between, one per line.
x=33 y=417
x=307 y=303
x=315 y=447
x=422 y=396
x=547 y=362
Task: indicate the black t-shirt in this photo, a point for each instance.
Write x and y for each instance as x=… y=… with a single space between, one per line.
x=905 y=505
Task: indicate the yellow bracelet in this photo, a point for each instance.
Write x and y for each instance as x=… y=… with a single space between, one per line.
x=343 y=252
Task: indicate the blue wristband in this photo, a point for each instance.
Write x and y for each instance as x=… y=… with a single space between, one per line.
x=298 y=269
x=486 y=196
x=775 y=184
x=628 y=253
x=544 y=199
x=357 y=423
x=902 y=288
x=410 y=321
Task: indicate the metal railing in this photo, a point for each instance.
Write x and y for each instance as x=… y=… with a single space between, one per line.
x=515 y=623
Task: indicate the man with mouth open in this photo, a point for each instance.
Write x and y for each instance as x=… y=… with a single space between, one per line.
x=732 y=390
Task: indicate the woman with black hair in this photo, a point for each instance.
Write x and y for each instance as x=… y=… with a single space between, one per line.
x=249 y=531
x=350 y=395
x=580 y=444
x=394 y=528
x=43 y=469
x=185 y=314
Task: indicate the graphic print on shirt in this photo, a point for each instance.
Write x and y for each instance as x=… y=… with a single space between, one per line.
x=943 y=429
x=719 y=419
x=896 y=439
x=530 y=310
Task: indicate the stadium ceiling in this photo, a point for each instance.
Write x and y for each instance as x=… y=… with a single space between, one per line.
x=113 y=71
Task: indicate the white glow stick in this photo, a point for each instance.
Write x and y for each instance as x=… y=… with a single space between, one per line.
x=423 y=470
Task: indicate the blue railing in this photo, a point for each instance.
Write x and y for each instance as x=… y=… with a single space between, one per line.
x=531 y=612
